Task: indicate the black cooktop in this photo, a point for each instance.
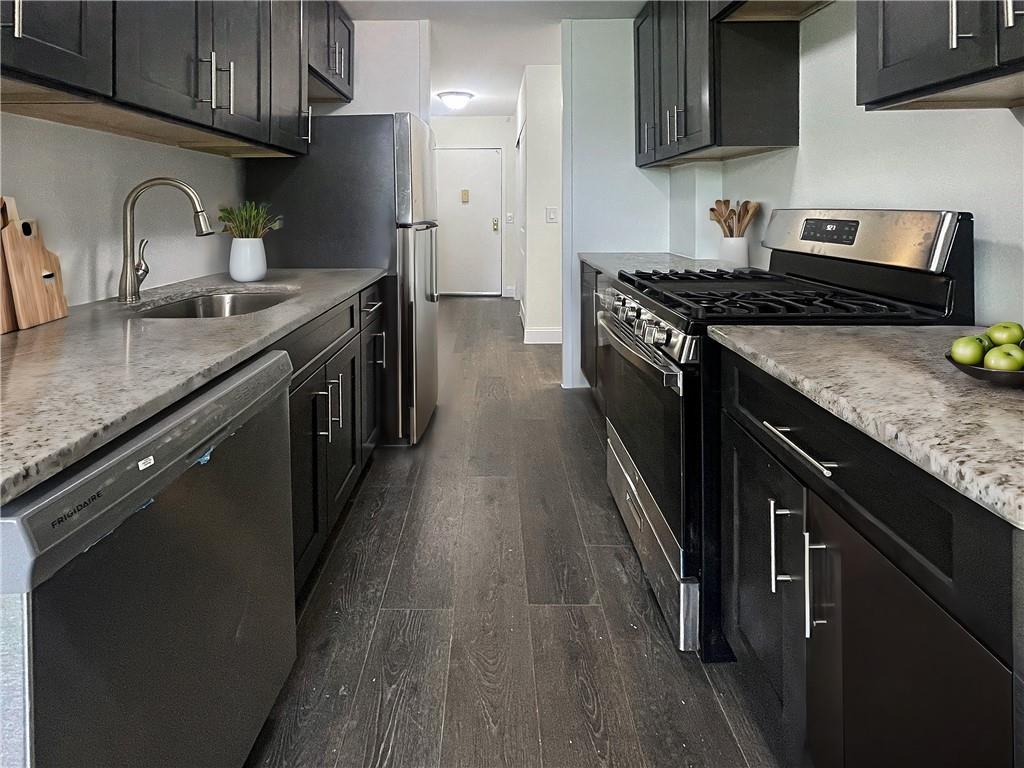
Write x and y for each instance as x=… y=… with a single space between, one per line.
x=756 y=295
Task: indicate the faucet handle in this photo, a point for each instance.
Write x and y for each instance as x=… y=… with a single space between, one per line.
x=141 y=267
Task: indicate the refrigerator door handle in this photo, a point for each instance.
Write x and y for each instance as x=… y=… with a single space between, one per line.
x=432 y=294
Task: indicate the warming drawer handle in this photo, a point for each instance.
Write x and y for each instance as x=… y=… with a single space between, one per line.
x=825 y=467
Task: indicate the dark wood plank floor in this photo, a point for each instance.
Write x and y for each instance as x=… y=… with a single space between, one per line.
x=482 y=606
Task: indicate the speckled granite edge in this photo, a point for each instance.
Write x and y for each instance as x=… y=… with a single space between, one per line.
x=119 y=369
x=999 y=489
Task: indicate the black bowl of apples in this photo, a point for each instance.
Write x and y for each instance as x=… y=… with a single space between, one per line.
x=995 y=356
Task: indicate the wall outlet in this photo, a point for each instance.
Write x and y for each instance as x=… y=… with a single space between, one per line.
x=551 y=214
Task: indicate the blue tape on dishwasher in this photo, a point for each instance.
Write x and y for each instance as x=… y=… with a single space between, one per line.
x=205 y=458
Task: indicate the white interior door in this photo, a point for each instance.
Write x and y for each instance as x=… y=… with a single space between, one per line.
x=469 y=221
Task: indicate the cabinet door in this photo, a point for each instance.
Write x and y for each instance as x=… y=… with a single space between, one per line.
x=762 y=533
x=69 y=43
x=163 y=57
x=318 y=27
x=308 y=416
x=902 y=47
x=289 y=120
x=588 y=323
x=670 y=99
x=1011 y=31
x=645 y=77
x=241 y=37
x=693 y=122
x=344 y=40
x=344 y=442
x=894 y=680
x=374 y=341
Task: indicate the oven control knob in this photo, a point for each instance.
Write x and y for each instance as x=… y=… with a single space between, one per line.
x=629 y=311
x=655 y=333
x=619 y=301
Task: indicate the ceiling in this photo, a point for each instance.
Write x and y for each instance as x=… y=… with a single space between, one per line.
x=481 y=46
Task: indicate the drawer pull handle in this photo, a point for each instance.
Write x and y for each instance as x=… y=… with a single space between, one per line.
x=825 y=467
x=632 y=508
x=373 y=307
x=774 y=512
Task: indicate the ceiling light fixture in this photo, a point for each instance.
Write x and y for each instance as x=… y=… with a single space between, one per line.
x=455 y=99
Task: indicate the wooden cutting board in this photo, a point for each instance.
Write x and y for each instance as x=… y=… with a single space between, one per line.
x=34 y=273
x=8 y=319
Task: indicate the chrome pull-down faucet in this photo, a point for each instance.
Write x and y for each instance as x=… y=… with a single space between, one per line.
x=134 y=271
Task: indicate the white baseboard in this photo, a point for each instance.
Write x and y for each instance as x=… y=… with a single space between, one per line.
x=542 y=336
x=509 y=292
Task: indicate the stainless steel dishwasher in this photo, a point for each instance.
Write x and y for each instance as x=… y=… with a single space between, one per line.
x=147 y=614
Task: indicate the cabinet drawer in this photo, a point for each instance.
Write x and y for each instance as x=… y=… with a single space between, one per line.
x=959 y=553
x=312 y=344
x=371 y=304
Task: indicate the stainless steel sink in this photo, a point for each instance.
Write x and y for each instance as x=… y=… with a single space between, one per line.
x=216 y=305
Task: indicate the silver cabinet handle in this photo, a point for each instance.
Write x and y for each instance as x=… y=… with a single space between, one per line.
x=328 y=434
x=632 y=508
x=668 y=123
x=231 y=87
x=646 y=139
x=775 y=578
x=371 y=309
x=675 y=122
x=1009 y=14
x=825 y=467
x=383 y=362
x=212 y=61
x=955 y=36
x=340 y=65
x=332 y=47
x=18 y=24
x=309 y=125
x=809 y=621
x=340 y=418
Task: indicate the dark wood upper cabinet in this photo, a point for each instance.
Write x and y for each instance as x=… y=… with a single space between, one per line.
x=68 y=43
x=645 y=78
x=241 y=38
x=289 y=120
x=968 y=54
x=163 y=60
x=331 y=41
x=1011 y=31
x=693 y=80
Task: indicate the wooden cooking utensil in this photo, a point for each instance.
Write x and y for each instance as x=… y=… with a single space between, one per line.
x=8 y=318
x=34 y=273
x=713 y=215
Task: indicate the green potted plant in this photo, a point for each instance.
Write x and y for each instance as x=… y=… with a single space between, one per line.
x=247 y=224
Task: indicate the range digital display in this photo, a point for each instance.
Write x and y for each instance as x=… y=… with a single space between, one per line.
x=840 y=231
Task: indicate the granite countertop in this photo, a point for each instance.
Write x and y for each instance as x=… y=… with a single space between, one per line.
x=894 y=384
x=72 y=385
x=611 y=263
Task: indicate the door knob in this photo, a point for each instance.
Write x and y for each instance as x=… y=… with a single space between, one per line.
x=494 y=224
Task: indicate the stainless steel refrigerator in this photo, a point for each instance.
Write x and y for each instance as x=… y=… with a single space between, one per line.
x=365 y=196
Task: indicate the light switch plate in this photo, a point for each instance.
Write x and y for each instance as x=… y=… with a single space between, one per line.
x=551 y=214
x=509 y=218
x=465 y=196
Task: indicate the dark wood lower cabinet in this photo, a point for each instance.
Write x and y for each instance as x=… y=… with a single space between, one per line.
x=763 y=600
x=308 y=418
x=374 y=367
x=344 y=443
x=894 y=680
x=588 y=323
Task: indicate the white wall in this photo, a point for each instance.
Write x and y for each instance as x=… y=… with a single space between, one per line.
x=470 y=132
x=74 y=181
x=542 y=292
x=609 y=203
x=391 y=70
x=970 y=160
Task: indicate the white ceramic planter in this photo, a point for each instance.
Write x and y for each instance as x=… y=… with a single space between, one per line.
x=734 y=251
x=248 y=259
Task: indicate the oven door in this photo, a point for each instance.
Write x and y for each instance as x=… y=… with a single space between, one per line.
x=644 y=404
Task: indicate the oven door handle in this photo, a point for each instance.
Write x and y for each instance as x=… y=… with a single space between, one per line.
x=671 y=376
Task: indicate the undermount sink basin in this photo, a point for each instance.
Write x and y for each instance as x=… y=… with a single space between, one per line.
x=216 y=305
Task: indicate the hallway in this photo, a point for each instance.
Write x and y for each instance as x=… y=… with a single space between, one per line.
x=482 y=605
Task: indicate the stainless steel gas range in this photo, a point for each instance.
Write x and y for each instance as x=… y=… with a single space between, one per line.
x=659 y=372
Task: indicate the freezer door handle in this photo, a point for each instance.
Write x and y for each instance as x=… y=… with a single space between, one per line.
x=432 y=294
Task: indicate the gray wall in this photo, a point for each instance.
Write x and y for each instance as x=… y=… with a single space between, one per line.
x=74 y=182
x=971 y=160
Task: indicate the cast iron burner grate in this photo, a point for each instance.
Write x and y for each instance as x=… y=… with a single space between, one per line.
x=795 y=303
x=693 y=275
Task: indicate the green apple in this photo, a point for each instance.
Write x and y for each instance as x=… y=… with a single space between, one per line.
x=1006 y=333
x=970 y=350
x=1001 y=359
x=1013 y=351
